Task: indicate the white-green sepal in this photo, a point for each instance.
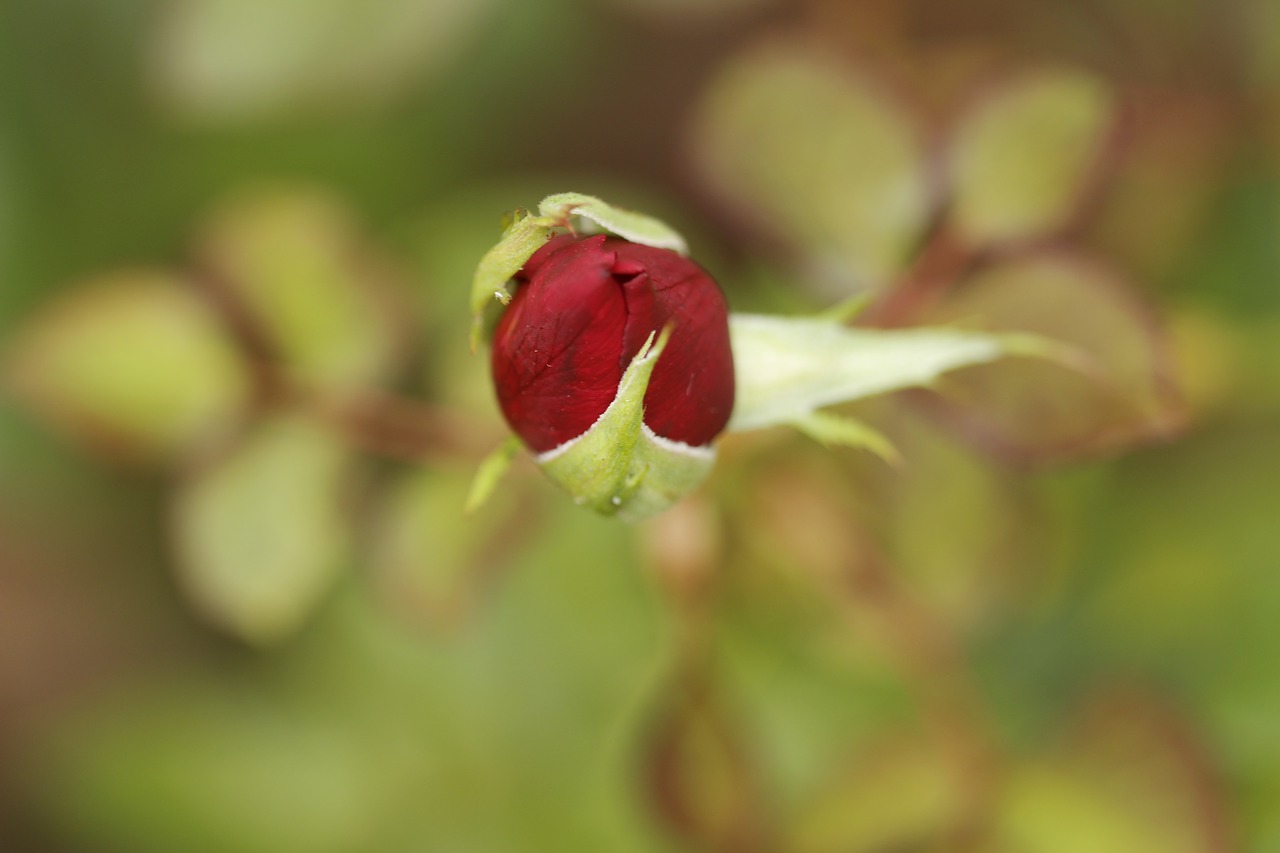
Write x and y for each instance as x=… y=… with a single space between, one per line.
x=619 y=466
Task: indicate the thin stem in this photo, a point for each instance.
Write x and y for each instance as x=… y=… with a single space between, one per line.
x=945 y=258
x=403 y=428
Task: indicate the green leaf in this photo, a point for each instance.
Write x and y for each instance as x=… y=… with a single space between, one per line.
x=798 y=143
x=898 y=795
x=1021 y=160
x=431 y=560
x=295 y=262
x=787 y=367
x=132 y=362
x=261 y=534
x=636 y=227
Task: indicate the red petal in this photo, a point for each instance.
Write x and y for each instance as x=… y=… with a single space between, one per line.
x=691 y=392
x=581 y=312
x=539 y=257
x=556 y=350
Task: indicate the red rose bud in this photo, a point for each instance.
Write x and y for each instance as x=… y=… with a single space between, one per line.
x=582 y=311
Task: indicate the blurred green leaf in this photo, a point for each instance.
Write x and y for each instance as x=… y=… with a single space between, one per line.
x=133 y=362
x=897 y=795
x=1049 y=809
x=431 y=559
x=800 y=145
x=798 y=669
x=516 y=732
x=1039 y=407
x=262 y=533
x=1191 y=576
x=1129 y=776
x=297 y=265
x=787 y=367
x=1020 y=160
x=1188 y=589
x=218 y=60
x=215 y=771
x=984 y=548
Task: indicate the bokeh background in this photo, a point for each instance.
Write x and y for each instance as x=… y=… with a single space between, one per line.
x=240 y=607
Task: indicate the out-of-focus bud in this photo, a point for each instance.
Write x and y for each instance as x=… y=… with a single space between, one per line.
x=612 y=363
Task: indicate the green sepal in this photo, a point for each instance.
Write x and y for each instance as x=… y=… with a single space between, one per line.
x=838 y=430
x=524 y=236
x=636 y=227
x=619 y=466
x=846 y=310
x=490 y=473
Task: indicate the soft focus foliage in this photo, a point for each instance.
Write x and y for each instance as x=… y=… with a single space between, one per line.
x=133 y=361
x=219 y=60
x=261 y=532
x=817 y=154
x=1021 y=159
x=242 y=609
x=294 y=267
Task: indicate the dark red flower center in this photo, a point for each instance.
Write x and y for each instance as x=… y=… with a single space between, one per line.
x=582 y=309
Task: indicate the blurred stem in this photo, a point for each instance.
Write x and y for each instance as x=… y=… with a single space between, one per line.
x=931 y=661
x=685 y=551
x=945 y=258
x=397 y=427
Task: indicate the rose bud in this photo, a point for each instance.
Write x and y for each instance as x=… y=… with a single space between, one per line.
x=612 y=363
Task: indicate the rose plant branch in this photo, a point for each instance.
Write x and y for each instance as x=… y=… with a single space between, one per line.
x=617 y=363
x=945 y=259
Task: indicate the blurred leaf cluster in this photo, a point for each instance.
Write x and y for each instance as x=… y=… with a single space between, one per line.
x=241 y=608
